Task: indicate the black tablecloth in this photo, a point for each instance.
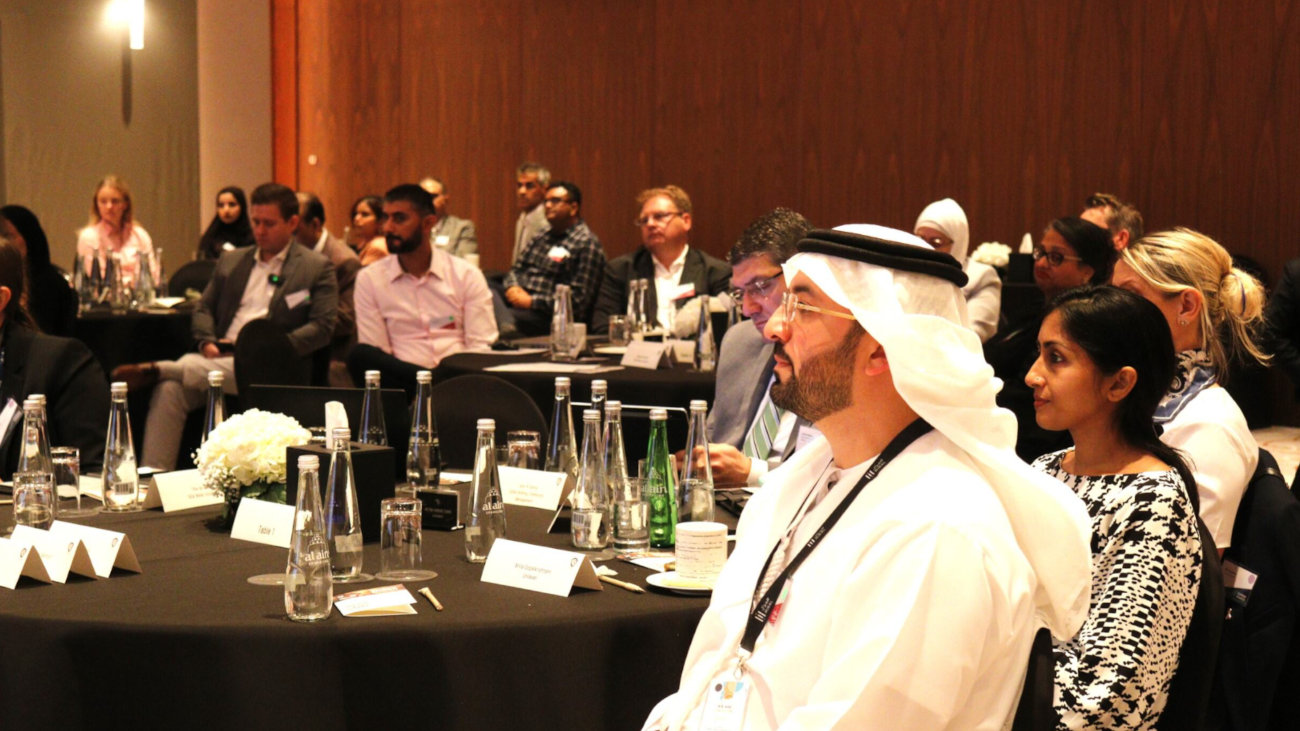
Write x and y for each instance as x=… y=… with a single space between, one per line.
x=189 y=643
x=134 y=337
x=673 y=387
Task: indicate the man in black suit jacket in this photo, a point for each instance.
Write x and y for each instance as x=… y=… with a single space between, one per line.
x=60 y=368
x=664 y=258
x=278 y=280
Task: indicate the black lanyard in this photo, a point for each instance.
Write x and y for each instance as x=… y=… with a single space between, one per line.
x=762 y=608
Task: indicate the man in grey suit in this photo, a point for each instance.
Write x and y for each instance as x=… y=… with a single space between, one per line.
x=278 y=280
x=748 y=435
x=531 y=181
x=312 y=234
x=456 y=236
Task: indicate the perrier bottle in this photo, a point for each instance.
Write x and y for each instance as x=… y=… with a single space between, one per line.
x=660 y=489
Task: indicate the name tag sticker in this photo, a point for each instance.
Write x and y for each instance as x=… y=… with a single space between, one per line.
x=532 y=488
x=107 y=549
x=644 y=354
x=182 y=490
x=557 y=254
x=293 y=299
x=442 y=240
x=538 y=568
x=263 y=522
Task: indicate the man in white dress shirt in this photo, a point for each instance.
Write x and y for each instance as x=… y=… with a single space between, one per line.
x=421 y=305
x=893 y=573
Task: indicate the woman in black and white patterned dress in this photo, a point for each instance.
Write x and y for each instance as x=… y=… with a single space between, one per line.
x=1105 y=360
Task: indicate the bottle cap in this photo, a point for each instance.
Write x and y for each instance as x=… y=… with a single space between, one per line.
x=341 y=432
x=424 y=376
x=613 y=405
x=599 y=386
x=117 y=388
x=308 y=462
x=699 y=405
x=562 y=381
x=374 y=376
x=590 y=415
x=216 y=378
x=487 y=424
x=38 y=398
x=658 y=415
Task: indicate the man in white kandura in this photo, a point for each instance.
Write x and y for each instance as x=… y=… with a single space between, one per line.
x=893 y=573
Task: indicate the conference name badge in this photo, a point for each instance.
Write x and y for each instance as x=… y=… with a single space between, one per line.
x=557 y=254
x=724 y=704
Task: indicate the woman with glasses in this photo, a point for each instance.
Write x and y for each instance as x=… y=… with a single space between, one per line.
x=1104 y=359
x=943 y=225
x=1213 y=310
x=1072 y=253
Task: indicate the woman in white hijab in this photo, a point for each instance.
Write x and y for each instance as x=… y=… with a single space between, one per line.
x=943 y=225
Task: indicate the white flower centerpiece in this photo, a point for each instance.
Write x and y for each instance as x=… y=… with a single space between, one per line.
x=993 y=254
x=245 y=457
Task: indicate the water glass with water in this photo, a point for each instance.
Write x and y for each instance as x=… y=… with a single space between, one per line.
x=34 y=499
x=631 y=529
x=524 y=449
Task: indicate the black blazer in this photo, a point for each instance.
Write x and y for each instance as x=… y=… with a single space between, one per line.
x=1259 y=654
x=75 y=389
x=707 y=273
x=308 y=323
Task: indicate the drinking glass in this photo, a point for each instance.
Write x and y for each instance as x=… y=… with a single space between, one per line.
x=698 y=501
x=524 y=449
x=67 y=481
x=631 y=530
x=577 y=339
x=618 y=327
x=400 y=557
x=34 y=499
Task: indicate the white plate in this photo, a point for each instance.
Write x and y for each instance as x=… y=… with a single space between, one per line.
x=668 y=580
x=610 y=350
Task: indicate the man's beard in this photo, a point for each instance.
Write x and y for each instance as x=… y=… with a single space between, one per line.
x=398 y=245
x=824 y=386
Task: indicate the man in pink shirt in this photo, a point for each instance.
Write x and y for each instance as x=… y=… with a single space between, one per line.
x=421 y=305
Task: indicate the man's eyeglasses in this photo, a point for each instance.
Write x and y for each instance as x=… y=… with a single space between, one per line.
x=790 y=307
x=660 y=218
x=555 y=201
x=758 y=288
x=1054 y=258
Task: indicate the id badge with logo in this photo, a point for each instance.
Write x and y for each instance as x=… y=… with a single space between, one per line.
x=724 y=704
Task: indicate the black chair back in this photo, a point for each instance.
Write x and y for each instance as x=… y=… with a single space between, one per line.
x=193 y=275
x=307 y=405
x=1189 y=692
x=264 y=355
x=1035 y=711
x=1259 y=659
x=458 y=404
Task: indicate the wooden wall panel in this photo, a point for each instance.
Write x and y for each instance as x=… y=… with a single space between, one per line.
x=847 y=111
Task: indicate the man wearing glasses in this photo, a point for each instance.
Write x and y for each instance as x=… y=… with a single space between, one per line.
x=677 y=271
x=749 y=434
x=566 y=252
x=894 y=572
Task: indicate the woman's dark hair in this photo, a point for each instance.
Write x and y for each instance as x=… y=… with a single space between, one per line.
x=373 y=202
x=239 y=233
x=29 y=227
x=1091 y=242
x=13 y=274
x=1118 y=328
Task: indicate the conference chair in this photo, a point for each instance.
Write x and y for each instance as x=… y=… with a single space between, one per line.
x=1189 y=692
x=1035 y=711
x=458 y=404
x=1259 y=659
x=193 y=275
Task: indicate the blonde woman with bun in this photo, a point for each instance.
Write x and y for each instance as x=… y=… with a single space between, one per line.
x=1213 y=310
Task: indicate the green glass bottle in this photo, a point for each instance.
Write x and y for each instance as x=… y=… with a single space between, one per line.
x=660 y=488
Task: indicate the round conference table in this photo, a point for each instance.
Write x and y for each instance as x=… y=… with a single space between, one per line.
x=134 y=336
x=189 y=643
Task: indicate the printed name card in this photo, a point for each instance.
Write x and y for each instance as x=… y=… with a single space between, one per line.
x=683 y=351
x=645 y=354
x=538 y=568
x=61 y=555
x=108 y=549
x=181 y=490
x=19 y=559
x=263 y=522
x=383 y=601
x=532 y=488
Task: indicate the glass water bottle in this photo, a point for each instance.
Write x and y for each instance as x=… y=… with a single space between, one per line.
x=659 y=488
x=216 y=403
x=308 y=586
x=695 y=494
x=627 y=506
x=342 y=513
x=121 y=479
x=487 y=511
x=423 y=461
x=372 y=429
x=589 y=524
x=562 y=452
